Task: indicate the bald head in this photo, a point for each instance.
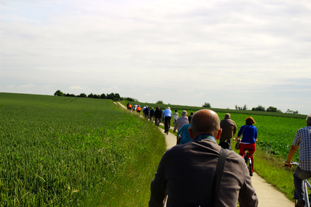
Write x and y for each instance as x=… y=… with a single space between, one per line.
x=205 y=121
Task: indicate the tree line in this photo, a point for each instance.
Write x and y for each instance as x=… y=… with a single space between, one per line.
x=269 y=109
x=112 y=96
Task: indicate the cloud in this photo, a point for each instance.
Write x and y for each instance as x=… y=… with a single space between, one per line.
x=151 y=50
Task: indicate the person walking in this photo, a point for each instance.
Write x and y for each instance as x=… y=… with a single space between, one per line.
x=151 y=113
x=157 y=115
x=167 y=119
x=302 y=141
x=186 y=173
x=184 y=135
x=228 y=127
x=175 y=117
x=181 y=121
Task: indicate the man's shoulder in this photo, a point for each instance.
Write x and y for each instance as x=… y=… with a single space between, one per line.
x=306 y=129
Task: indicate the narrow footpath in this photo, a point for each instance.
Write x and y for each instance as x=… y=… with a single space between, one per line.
x=267 y=194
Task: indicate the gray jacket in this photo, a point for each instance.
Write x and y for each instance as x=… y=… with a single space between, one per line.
x=186 y=173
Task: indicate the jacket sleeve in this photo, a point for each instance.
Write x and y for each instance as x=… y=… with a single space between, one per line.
x=158 y=186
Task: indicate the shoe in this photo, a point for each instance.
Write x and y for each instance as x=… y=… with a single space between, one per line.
x=300 y=203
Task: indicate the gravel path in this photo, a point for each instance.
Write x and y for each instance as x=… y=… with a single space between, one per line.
x=267 y=194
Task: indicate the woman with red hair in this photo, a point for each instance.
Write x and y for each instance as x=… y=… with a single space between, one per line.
x=249 y=138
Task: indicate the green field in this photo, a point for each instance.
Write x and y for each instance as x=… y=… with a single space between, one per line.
x=64 y=151
x=69 y=151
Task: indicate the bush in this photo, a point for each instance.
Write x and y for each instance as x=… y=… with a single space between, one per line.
x=259 y=108
x=206 y=105
x=58 y=93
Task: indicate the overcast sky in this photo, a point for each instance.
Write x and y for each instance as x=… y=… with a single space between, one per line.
x=226 y=53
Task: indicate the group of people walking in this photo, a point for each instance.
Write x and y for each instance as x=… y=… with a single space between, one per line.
x=186 y=171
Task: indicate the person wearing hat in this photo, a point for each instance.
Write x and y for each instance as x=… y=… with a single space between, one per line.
x=249 y=138
x=228 y=127
x=181 y=121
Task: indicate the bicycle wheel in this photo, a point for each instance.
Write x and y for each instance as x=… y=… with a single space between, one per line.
x=306 y=196
x=250 y=167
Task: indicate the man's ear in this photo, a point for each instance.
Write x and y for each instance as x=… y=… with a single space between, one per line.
x=218 y=134
x=191 y=133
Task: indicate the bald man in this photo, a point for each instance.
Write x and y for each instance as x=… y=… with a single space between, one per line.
x=186 y=172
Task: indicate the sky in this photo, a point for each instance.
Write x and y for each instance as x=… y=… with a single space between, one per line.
x=226 y=53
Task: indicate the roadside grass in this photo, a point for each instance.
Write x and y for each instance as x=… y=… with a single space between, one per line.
x=65 y=151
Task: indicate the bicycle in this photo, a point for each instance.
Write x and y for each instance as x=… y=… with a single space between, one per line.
x=249 y=162
x=157 y=121
x=305 y=185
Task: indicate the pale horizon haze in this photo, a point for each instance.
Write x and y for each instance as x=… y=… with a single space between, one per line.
x=225 y=53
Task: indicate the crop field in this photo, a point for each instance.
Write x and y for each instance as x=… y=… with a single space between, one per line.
x=65 y=151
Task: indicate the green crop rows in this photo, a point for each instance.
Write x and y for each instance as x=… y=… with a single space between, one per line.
x=61 y=151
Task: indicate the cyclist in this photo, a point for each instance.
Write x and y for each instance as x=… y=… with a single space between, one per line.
x=249 y=138
x=303 y=171
x=167 y=119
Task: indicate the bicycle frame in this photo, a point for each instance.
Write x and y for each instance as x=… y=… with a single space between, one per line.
x=248 y=162
x=306 y=185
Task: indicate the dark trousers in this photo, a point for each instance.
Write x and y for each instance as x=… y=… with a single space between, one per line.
x=167 y=123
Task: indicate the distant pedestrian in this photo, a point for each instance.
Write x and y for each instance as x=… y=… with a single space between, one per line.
x=181 y=121
x=145 y=110
x=184 y=135
x=163 y=115
x=228 y=127
x=175 y=117
x=138 y=109
x=151 y=114
x=157 y=115
x=129 y=107
x=190 y=116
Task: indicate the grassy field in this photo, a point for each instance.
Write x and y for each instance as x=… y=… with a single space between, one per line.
x=64 y=151
x=275 y=137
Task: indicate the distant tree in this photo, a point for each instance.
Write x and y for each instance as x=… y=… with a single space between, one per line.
x=70 y=95
x=117 y=96
x=58 y=93
x=82 y=95
x=103 y=96
x=96 y=96
x=291 y=112
x=90 y=95
x=110 y=96
x=244 y=107
x=258 y=108
x=240 y=108
x=206 y=105
x=272 y=109
x=159 y=102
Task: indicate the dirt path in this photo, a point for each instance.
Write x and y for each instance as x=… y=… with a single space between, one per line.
x=267 y=194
